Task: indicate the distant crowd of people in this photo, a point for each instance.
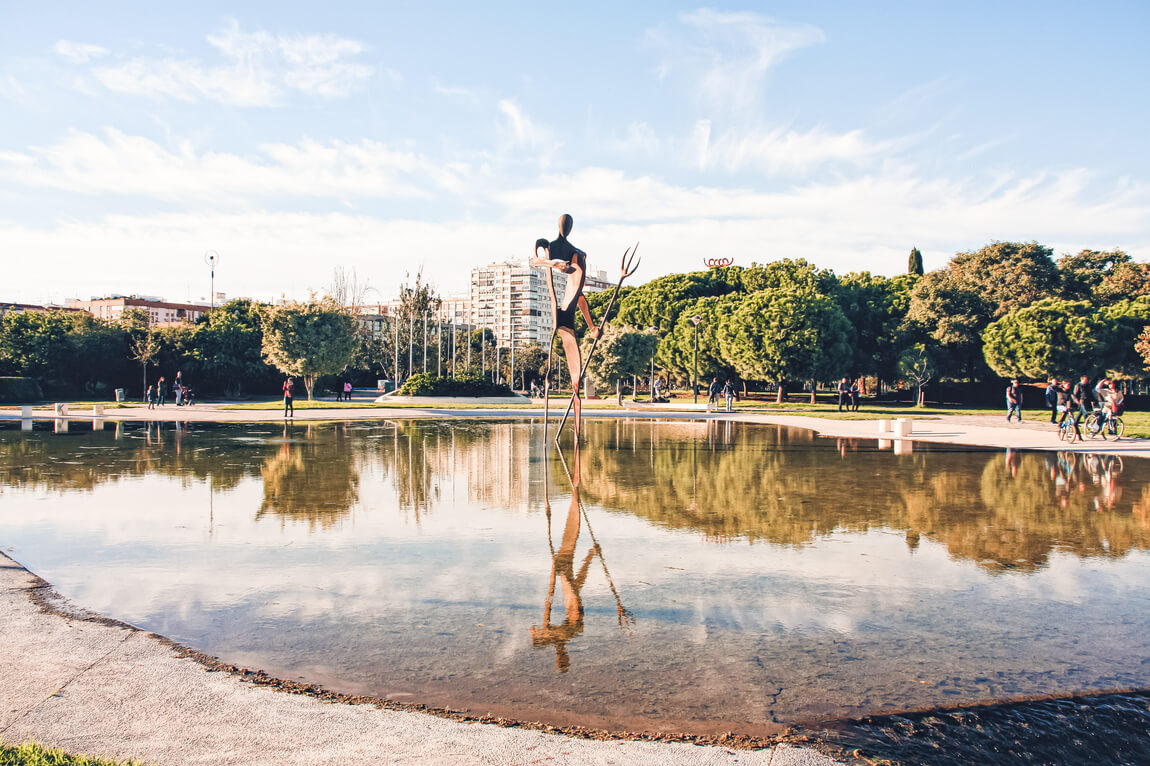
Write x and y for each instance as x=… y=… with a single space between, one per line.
x=1075 y=401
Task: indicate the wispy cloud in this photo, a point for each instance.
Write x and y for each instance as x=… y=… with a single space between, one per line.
x=726 y=56
x=121 y=164
x=78 y=53
x=251 y=69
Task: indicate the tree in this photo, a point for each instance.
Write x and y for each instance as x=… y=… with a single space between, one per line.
x=416 y=302
x=1127 y=280
x=622 y=351
x=1052 y=337
x=1083 y=273
x=676 y=351
x=787 y=274
x=530 y=364
x=309 y=339
x=782 y=335
x=914 y=262
x=917 y=366
x=875 y=306
x=953 y=305
x=143 y=348
x=1142 y=346
x=659 y=303
x=228 y=348
x=1125 y=321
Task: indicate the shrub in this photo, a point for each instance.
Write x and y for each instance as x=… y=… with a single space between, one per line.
x=467 y=384
x=20 y=390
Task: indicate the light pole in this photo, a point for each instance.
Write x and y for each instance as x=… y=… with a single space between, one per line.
x=212 y=258
x=653 y=329
x=695 y=320
x=425 y=341
x=439 y=348
x=410 y=343
x=395 y=321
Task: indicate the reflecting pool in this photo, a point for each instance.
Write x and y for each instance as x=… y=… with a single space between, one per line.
x=688 y=576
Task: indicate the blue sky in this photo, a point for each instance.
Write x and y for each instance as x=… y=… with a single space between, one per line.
x=296 y=138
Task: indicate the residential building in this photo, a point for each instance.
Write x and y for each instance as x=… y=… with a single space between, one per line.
x=513 y=301
x=158 y=310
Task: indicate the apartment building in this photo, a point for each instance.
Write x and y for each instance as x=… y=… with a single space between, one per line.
x=158 y=310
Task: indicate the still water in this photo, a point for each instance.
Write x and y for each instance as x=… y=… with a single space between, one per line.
x=688 y=576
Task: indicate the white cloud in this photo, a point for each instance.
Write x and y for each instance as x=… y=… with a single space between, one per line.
x=726 y=56
x=254 y=69
x=120 y=164
x=868 y=223
x=78 y=53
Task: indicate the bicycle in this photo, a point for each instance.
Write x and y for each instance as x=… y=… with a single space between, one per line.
x=1113 y=427
x=1067 y=432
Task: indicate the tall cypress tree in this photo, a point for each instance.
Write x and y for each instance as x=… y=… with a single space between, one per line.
x=914 y=263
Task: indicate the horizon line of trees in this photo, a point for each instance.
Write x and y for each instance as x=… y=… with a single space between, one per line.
x=1007 y=309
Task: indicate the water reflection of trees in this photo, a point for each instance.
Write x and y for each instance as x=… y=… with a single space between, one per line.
x=1002 y=510
x=313 y=476
x=82 y=461
x=723 y=480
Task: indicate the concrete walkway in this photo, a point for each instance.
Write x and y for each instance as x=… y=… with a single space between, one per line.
x=95 y=686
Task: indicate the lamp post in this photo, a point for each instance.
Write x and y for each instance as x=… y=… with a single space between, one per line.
x=212 y=258
x=695 y=320
x=410 y=344
x=439 y=348
x=395 y=321
x=652 y=381
x=425 y=341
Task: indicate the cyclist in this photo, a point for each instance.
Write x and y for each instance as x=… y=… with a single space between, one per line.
x=1066 y=402
x=1082 y=398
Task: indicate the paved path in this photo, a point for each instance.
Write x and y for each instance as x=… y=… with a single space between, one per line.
x=99 y=687
x=96 y=687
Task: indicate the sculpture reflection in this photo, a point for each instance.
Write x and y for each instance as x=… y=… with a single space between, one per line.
x=571 y=582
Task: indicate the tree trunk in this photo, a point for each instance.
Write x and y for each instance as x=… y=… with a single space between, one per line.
x=144 y=394
x=619 y=391
x=814 y=388
x=779 y=395
x=309 y=384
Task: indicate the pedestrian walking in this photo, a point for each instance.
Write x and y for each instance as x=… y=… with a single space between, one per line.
x=289 y=390
x=713 y=393
x=1052 y=399
x=844 y=394
x=1014 y=401
x=855 y=396
x=178 y=388
x=729 y=393
x=1083 y=398
x=150 y=397
x=347 y=390
x=160 y=384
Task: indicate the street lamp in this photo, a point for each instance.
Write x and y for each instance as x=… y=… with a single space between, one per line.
x=425 y=341
x=212 y=258
x=695 y=320
x=653 y=329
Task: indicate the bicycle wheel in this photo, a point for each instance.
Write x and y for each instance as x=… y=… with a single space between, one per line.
x=1094 y=426
x=1119 y=428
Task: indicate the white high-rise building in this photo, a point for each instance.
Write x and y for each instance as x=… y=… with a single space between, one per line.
x=512 y=300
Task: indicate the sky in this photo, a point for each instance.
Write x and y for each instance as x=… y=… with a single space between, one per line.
x=391 y=139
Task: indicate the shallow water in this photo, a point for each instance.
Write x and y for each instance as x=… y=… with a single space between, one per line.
x=702 y=577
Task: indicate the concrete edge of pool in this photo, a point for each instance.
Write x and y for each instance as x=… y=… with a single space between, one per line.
x=94 y=685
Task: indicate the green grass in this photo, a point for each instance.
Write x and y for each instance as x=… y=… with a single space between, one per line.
x=31 y=754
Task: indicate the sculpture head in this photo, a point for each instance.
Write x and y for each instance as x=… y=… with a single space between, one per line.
x=565 y=224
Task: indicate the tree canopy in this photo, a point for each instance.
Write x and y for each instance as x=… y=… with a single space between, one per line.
x=309 y=339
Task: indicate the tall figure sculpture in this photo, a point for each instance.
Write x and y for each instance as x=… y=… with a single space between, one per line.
x=567 y=259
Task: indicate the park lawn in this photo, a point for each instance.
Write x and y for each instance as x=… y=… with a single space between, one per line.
x=31 y=754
